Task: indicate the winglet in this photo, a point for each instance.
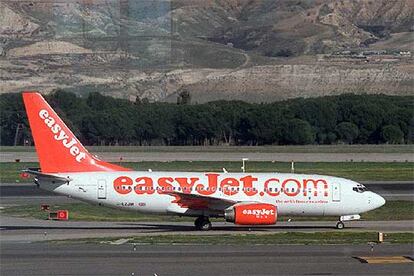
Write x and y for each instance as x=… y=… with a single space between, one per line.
x=57 y=147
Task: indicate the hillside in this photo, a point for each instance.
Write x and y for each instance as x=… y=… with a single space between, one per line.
x=252 y=50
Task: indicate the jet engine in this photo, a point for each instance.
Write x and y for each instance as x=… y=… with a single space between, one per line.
x=251 y=214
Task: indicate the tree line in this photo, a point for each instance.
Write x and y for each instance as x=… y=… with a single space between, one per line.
x=102 y=120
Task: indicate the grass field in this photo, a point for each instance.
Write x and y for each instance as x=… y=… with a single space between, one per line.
x=276 y=149
x=392 y=210
x=358 y=171
x=254 y=239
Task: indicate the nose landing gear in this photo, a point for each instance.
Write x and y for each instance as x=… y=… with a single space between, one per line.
x=340 y=225
x=202 y=223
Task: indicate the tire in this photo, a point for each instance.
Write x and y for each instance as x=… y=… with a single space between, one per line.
x=202 y=224
x=197 y=222
x=340 y=225
x=206 y=225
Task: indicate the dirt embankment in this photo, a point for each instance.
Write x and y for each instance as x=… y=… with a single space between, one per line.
x=254 y=84
x=47 y=48
x=279 y=82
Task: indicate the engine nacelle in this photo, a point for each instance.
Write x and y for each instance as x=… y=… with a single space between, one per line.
x=252 y=214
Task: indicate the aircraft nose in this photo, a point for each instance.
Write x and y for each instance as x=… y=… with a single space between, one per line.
x=378 y=201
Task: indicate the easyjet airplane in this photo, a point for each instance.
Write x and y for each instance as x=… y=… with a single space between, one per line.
x=67 y=168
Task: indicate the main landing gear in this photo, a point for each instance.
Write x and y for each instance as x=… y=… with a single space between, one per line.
x=202 y=223
x=340 y=225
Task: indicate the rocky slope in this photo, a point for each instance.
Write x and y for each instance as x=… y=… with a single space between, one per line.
x=253 y=50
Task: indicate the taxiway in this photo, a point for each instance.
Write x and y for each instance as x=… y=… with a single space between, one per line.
x=99 y=259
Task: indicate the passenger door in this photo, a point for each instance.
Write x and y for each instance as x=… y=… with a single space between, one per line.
x=336 y=192
x=101 y=189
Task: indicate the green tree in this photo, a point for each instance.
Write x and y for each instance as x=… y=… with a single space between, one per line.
x=368 y=116
x=330 y=138
x=392 y=134
x=103 y=120
x=299 y=132
x=347 y=132
x=13 y=120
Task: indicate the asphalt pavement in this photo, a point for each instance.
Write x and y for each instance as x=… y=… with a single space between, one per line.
x=197 y=155
x=100 y=259
x=14 y=229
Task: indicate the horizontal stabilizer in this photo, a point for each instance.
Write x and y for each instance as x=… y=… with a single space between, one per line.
x=46 y=175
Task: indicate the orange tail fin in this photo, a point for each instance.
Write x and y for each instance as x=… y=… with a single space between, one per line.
x=56 y=146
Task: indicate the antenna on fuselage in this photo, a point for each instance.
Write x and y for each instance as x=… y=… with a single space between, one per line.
x=244 y=164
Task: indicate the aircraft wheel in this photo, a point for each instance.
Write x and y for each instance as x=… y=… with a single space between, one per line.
x=203 y=224
x=197 y=222
x=340 y=225
x=206 y=225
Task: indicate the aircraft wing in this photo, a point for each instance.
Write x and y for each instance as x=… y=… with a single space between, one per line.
x=200 y=202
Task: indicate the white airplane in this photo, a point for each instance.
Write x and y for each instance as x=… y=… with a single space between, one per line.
x=67 y=168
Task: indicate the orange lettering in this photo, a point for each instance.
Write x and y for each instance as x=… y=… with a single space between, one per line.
x=248 y=183
x=295 y=190
x=266 y=187
x=315 y=186
x=186 y=186
x=122 y=185
x=227 y=184
x=144 y=186
x=166 y=184
x=212 y=185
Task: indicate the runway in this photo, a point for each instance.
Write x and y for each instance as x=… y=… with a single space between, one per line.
x=197 y=155
x=98 y=259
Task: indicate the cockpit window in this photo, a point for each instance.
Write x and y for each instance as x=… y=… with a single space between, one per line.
x=360 y=188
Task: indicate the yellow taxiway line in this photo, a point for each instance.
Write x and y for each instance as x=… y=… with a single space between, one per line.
x=385 y=259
